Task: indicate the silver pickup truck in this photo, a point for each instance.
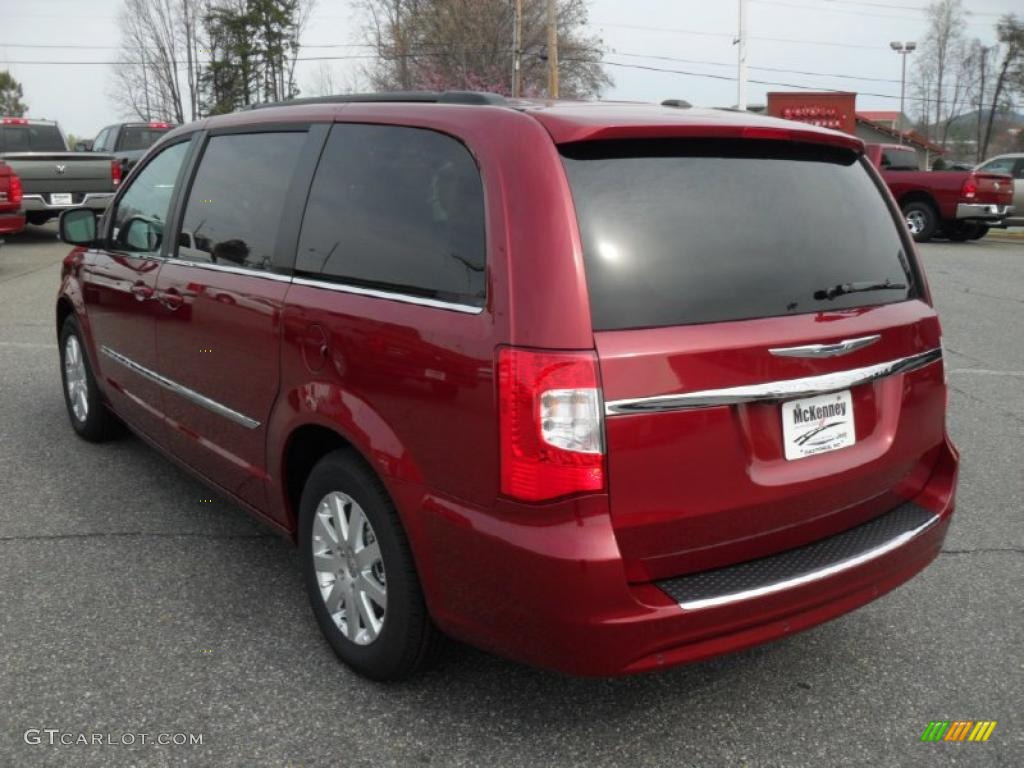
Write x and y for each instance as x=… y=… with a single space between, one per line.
x=53 y=178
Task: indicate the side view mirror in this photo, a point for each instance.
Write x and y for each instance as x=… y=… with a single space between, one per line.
x=78 y=226
x=141 y=234
x=80 y=146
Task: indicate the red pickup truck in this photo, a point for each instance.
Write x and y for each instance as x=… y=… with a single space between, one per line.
x=12 y=218
x=960 y=205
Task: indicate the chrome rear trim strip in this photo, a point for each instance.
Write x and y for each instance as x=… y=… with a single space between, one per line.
x=826 y=350
x=812 y=576
x=188 y=394
x=775 y=391
x=468 y=309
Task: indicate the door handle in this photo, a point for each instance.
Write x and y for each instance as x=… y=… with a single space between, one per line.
x=142 y=292
x=171 y=299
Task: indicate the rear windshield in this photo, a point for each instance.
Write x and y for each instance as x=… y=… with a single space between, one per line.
x=680 y=232
x=140 y=137
x=31 y=138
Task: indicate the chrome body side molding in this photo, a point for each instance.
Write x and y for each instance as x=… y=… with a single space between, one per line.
x=189 y=394
x=774 y=391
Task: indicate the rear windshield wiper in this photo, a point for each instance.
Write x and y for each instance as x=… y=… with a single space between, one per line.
x=862 y=287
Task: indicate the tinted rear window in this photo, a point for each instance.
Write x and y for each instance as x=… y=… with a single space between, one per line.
x=31 y=138
x=400 y=209
x=900 y=160
x=139 y=137
x=680 y=232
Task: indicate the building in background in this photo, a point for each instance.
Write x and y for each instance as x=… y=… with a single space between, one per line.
x=838 y=111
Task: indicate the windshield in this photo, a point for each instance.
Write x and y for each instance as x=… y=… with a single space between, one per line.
x=696 y=231
x=31 y=138
x=135 y=137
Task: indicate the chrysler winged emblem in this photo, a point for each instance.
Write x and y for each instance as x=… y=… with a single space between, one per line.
x=60 y=169
x=826 y=350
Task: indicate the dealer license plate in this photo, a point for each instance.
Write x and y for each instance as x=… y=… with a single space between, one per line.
x=816 y=425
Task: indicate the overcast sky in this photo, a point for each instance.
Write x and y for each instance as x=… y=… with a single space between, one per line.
x=830 y=37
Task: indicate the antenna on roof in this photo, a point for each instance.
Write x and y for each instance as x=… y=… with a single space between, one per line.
x=677 y=103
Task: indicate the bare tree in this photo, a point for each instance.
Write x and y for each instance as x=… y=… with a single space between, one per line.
x=1011 y=70
x=158 y=40
x=467 y=44
x=938 y=57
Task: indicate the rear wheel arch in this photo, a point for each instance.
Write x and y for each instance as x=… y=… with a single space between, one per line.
x=303 y=448
x=919 y=197
x=64 y=309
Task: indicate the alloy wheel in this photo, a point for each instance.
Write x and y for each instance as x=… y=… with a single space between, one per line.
x=75 y=379
x=916 y=222
x=349 y=568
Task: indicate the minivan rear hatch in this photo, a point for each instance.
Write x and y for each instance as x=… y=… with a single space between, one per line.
x=768 y=356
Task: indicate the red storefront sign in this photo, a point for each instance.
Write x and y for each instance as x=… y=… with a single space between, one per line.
x=828 y=110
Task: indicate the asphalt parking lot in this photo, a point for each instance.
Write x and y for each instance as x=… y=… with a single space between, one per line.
x=128 y=604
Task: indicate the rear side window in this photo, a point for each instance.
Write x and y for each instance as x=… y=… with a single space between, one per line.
x=398 y=209
x=234 y=207
x=681 y=232
x=135 y=137
x=31 y=138
x=900 y=160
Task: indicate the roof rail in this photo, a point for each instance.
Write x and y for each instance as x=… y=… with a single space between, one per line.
x=423 y=97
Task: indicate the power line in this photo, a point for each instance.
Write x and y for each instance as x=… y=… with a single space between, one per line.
x=730 y=35
x=829 y=8
x=799 y=86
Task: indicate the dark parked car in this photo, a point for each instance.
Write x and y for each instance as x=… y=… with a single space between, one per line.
x=581 y=384
x=127 y=142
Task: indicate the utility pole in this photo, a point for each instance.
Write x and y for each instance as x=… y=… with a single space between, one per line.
x=741 y=59
x=145 y=81
x=517 y=50
x=904 y=50
x=552 y=49
x=981 y=102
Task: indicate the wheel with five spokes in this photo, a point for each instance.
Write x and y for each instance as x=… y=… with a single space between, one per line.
x=359 y=571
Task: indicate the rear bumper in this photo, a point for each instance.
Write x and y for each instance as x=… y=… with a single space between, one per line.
x=547 y=585
x=98 y=201
x=983 y=211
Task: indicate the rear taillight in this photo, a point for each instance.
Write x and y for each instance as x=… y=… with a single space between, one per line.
x=115 y=172
x=551 y=424
x=969 y=189
x=14 y=191
x=14 y=121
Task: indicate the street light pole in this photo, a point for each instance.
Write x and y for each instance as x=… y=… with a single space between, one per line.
x=904 y=50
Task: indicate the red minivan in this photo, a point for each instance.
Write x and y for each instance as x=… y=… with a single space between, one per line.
x=588 y=385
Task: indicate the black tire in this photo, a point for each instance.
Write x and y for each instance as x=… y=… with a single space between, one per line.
x=980 y=230
x=96 y=424
x=37 y=219
x=922 y=220
x=407 y=639
x=960 y=231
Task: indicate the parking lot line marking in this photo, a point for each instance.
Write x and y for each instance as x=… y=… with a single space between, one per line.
x=987 y=372
x=27 y=344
